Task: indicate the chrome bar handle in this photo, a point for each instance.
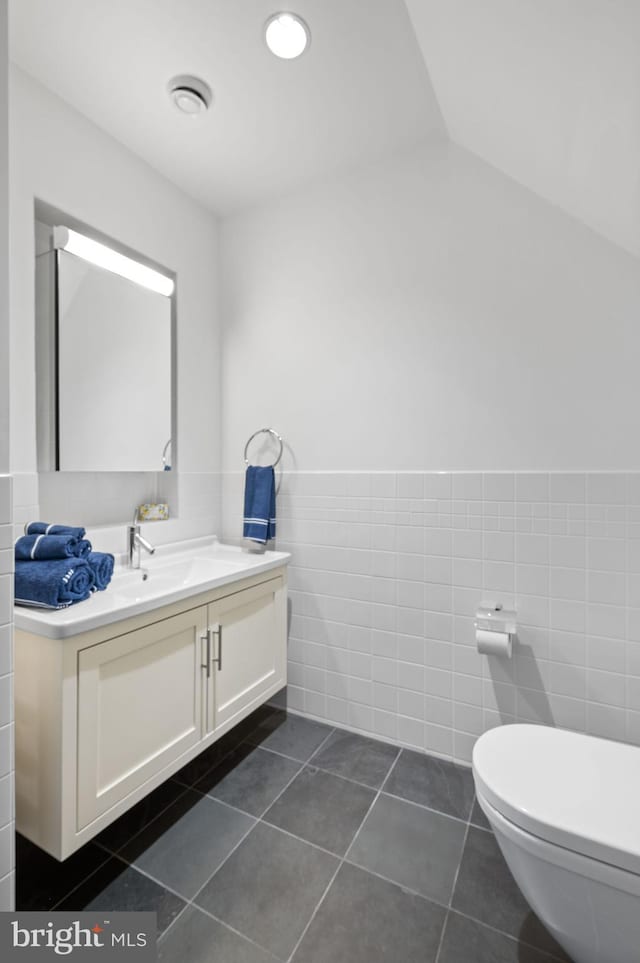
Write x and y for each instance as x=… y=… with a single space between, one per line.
x=217 y=631
x=207 y=663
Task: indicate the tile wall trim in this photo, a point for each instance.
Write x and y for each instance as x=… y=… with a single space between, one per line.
x=387 y=570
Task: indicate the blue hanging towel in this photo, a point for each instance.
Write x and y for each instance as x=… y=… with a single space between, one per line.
x=44 y=528
x=260 y=504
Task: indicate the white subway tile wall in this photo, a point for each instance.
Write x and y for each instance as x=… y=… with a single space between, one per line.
x=388 y=569
x=6 y=698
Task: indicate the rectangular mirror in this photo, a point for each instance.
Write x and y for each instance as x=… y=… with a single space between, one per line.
x=104 y=359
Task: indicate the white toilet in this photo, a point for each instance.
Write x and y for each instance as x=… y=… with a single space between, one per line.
x=565 y=810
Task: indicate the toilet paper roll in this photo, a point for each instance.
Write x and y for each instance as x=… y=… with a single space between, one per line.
x=493 y=643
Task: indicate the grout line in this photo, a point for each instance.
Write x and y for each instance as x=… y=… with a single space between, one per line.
x=441 y=943
x=394 y=882
x=315 y=912
x=173 y=922
x=509 y=936
x=368 y=812
x=107 y=856
x=233 y=930
x=322 y=745
x=274 y=752
x=391 y=768
x=429 y=809
x=299 y=839
x=281 y=793
x=340 y=863
x=185 y=790
x=464 y=846
x=354 y=782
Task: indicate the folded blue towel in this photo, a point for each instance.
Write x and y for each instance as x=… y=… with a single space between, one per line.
x=101 y=564
x=260 y=504
x=44 y=528
x=55 y=584
x=30 y=547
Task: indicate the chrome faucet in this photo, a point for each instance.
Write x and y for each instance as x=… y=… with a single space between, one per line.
x=135 y=541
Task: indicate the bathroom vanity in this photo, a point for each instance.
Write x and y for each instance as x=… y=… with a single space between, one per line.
x=116 y=694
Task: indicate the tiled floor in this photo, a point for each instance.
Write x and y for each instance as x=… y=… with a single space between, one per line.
x=292 y=841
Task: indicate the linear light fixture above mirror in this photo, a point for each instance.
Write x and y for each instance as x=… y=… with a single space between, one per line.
x=105 y=257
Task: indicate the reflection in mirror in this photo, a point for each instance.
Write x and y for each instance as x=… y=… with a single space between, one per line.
x=104 y=362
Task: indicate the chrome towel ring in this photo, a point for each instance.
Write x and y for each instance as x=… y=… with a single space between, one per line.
x=262 y=431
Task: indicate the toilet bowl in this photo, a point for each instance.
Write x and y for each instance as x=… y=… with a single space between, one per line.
x=565 y=810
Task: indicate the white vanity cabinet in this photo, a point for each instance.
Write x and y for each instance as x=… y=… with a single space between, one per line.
x=139 y=708
x=103 y=718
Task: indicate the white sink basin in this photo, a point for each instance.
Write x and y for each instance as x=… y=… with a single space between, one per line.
x=170 y=577
x=165 y=577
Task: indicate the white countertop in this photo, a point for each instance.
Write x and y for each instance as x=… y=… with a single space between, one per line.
x=175 y=572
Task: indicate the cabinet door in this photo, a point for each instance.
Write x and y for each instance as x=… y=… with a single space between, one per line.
x=249 y=650
x=139 y=708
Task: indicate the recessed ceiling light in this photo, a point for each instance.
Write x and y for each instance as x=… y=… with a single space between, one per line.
x=287 y=35
x=190 y=94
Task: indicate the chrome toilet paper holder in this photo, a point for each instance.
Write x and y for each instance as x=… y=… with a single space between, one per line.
x=494 y=618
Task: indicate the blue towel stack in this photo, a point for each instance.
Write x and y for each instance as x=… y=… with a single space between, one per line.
x=56 y=567
x=260 y=504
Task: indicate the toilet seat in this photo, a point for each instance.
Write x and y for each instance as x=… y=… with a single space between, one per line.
x=566 y=788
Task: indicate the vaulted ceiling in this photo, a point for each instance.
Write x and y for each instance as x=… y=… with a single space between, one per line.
x=547 y=91
x=359 y=93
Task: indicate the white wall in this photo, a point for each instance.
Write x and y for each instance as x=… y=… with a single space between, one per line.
x=429 y=314
x=60 y=157
x=4 y=239
x=6 y=555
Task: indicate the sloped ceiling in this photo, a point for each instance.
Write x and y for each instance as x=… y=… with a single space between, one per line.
x=548 y=91
x=361 y=91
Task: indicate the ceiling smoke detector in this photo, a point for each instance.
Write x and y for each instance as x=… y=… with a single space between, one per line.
x=287 y=35
x=190 y=94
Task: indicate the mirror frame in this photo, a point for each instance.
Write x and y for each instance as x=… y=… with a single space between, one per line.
x=46 y=310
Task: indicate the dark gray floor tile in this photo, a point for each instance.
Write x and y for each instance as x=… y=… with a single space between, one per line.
x=216 y=752
x=466 y=941
x=206 y=760
x=478 y=818
x=184 y=846
x=293 y=736
x=432 y=782
x=486 y=891
x=117 y=887
x=364 y=919
x=250 y=778
x=196 y=938
x=269 y=888
x=135 y=819
x=356 y=757
x=412 y=846
x=322 y=808
x=42 y=881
